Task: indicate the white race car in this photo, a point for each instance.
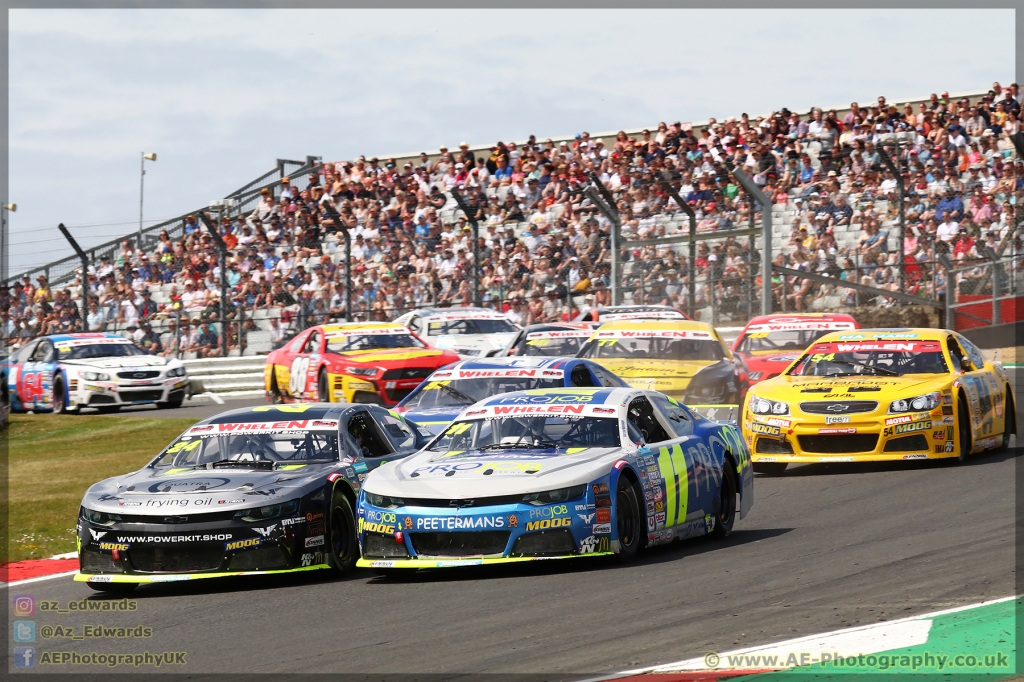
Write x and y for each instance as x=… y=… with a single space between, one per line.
x=66 y=372
x=470 y=332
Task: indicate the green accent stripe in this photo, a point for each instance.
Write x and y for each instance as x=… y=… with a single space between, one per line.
x=460 y=562
x=683 y=487
x=182 y=577
x=667 y=469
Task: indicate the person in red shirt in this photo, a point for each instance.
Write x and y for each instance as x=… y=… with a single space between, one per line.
x=964 y=244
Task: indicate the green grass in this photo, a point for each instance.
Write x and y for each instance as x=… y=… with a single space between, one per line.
x=53 y=459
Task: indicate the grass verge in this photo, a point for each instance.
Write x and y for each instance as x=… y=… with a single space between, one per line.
x=53 y=459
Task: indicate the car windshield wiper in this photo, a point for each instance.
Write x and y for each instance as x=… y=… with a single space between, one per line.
x=458 y=394
x=876 y=368
x=254 y=463
x=523 y=445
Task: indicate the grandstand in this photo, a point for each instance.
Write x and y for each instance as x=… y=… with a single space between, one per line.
x=545 y=249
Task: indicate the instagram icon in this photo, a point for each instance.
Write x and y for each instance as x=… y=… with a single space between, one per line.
x=24 y=605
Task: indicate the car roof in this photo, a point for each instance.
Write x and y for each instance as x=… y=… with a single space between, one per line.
x=907 y=334
x=657 y=325
x=516 y=361
x=555 y=326
x=782 y=318
x=283 y=412
x=83 y=336
x=349 y=326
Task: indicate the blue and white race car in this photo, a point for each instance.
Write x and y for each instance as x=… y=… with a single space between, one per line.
x=445 y=393
x=65 y=372
x=556 y=473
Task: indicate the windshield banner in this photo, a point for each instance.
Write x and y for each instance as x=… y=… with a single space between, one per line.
x=370 y=331
x=797 y=325
x=878 y=347
x=264 y=427
x=91 y=342
x=511 y=373
x=660 y=334
x=567 y=334
x=652 y=314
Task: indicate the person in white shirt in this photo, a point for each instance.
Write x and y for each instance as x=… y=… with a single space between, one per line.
x=948 y=230
x=285 y=266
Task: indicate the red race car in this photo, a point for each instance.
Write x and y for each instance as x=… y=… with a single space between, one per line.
x=360 y=362
x=769 y=343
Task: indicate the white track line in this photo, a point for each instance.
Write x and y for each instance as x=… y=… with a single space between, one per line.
x=693 y=664
x=38 y=579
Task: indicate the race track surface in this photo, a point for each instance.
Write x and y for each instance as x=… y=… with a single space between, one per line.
x=825 y=547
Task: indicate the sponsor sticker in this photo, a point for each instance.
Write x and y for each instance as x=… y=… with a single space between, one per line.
x=898 y=420
x=836 y=431
x=837 y=419
x=316 y=541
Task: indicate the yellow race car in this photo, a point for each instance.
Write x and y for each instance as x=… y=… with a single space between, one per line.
x=880 y=394
x=683 y=359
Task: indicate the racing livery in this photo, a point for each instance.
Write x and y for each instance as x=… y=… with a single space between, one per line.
x=267 y=489
x=551 y=339
x=470 y=332
x=556 y=473
x=359 y=362
x=880 y=394
x=66 y=372
x=447 y=392
x=770 y=343
x=684 y=359
x=632 y=312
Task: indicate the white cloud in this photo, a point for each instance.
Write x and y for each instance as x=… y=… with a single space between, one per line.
x=220 y=94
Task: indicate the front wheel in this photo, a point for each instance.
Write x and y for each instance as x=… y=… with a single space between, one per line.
x=726 y=515
x=770 y=468
x=964 y=430
x=275 y=393
x=170 y=404
x=60 y=404
x=114 y=588
x=629 y=521
x=344 y=548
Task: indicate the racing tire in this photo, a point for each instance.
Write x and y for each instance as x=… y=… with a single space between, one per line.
x=323 y=391
x=343 y=550
x=275 y=394
x=1009 y=422
x=170 y=404
x=114 y=588
x=60 y=403
x=963 y=431
x=726 y=516
x=629 y=520
x=770 y=468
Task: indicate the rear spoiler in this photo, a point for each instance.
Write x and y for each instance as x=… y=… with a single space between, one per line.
x=718 y=413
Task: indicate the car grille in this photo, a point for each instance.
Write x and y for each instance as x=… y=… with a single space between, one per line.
x=155 y=520
x=409 y=373
x=772 y=446
x=847 y=443
x=470 y=543
x=167 y=560
x=545 y=543
x=383 y=546
x=97 y=562
x=839 y=407
x=262 y=559
x=146 y=374
x=397 y=394
x=132 y=396
x=915 y=443
x=101 y=399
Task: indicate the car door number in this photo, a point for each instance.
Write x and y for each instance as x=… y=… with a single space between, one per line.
x=297 y=376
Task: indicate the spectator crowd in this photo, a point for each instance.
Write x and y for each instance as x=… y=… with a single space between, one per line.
x=543 y=245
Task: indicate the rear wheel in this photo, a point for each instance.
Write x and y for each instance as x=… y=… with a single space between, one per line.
x=1009 y=420
x=629 y=521
x=770 y=468
x=344 y=548
x=726 y=515
x=114 y=588
x=323 y=392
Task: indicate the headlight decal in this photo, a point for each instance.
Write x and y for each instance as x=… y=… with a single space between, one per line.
x=918 y=403
x=764 y=406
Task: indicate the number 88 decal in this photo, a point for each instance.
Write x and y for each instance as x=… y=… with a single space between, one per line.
x=297 y=377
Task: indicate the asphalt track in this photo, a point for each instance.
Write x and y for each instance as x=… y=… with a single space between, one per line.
x=825 y=547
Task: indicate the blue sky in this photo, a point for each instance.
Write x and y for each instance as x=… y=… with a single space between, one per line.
x=221 y=94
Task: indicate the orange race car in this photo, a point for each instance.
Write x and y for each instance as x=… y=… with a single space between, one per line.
x=359 y=362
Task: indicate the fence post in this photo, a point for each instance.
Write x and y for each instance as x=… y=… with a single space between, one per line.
x=947 y=266
x=605 y=203
x=223 y=248
x=766 y=225
x=85 y=275
x=476 y=245
x=994 y=257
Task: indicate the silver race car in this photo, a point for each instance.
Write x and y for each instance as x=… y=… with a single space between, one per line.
x=556 y=473
x=269 y=489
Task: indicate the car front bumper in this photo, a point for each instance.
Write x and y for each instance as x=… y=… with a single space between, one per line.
x=141 y=392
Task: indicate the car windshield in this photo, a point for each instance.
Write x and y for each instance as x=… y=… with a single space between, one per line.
x=653 y=345
x=553 y=343
x=97 y=350
x=548 y=432
x=460 y=392
x=371 y=341
x=479 y=325
x=874 y=358
x=242 y=445
x=790 y=339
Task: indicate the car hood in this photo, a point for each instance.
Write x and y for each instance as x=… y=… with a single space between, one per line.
x=472 y=345
x=389 y=355
x=433 y=419
x=879 y=388
x=155 y=491
x=653 y=374
x=772 y=361
x=440 y=475
x=130 y=361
